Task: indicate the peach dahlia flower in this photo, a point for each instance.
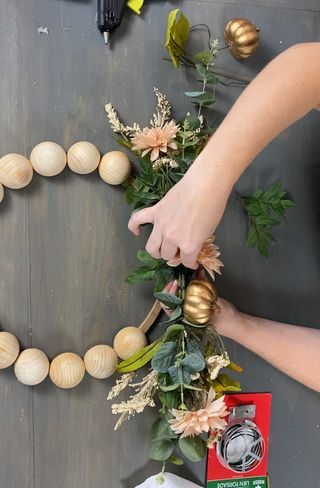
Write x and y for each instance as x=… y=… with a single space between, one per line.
x=156 y=140
x=207 y=257
x=209 y=418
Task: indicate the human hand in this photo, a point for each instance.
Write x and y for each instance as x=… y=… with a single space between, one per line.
x=187 y=215
x=227 y=319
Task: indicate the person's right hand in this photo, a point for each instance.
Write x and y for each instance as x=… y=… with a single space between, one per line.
x=187 y=215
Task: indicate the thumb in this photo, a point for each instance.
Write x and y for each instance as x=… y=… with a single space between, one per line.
x=144 y=216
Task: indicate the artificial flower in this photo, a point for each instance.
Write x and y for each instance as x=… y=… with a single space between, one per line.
x=209 y=418
x=156 y=140
x=208 y=257
x=215 y=363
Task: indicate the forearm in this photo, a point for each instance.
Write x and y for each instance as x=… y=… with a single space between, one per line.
x=292 y=349
x=284 y=91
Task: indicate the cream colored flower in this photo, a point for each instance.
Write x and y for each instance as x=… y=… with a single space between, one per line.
x=208 y=257
x=215 y=363
x=210 y=418
x=155 y=140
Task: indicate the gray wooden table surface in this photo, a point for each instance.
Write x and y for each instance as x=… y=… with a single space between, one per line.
x=65 y=248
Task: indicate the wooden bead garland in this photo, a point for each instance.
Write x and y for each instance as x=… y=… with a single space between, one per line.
x=48 y=158
x=67 y=370
x=31 y=367
x=9 y=349
x=83 y=157
x=115 y=167
x=101 y=361
x=15 y=171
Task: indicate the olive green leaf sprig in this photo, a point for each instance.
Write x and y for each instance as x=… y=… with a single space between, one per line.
x=265 y=210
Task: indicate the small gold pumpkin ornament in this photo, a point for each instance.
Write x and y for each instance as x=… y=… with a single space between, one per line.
x=199 y=301
x=67 y=370
x=9 y=349
x=128 y=341
x=15 y=171
x=31 y=367
x=114 y=167
x=1 y=192
x=83 y=157
x=100 y=361
x=242 y=36
x=48 y=158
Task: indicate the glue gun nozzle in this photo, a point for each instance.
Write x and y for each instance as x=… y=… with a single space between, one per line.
x=106 y=37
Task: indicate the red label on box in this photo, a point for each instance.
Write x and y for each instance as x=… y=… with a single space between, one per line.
x=262 y=403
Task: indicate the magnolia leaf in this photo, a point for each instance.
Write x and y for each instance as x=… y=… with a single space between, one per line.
x=179 y=375
x=177 y=35
x=164 y=357
x=161 y=450
x=140 y=358
x=194 y=448
x=176 y=313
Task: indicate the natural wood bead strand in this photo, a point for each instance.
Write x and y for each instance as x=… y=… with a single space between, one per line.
x=67 y=370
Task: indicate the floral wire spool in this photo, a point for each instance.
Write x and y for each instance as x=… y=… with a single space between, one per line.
x=241 y=447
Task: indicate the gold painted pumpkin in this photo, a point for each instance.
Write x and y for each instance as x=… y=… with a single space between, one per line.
x=242 y=36
x=199 y=302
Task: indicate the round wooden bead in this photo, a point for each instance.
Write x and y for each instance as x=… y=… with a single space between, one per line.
x=9 y=349
x=1 y=192
x=128 y=341
x=67 y=370
x=31 y=366
x=115 y=167
x=48 y=158
x=101 y=361
x=15 y=171
x=83 y=157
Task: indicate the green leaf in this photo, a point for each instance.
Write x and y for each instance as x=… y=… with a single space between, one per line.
x=164 y=357
x=160 y=429
x=179 y=375
x=203 y=57
x=265 y=210
x=167 y=388
x=176 y=313
x=177 y=35
x=205 y=99
x=168 y=299
x=161 y=450
x=193 y=363
x=140 y=273
x=169 y=399
x=193 y=93
x=224 y=383
x=173 y=330
x=175 y=460
x=139 y=359
x=148 y=260
x=163 y=276
x=194 y=448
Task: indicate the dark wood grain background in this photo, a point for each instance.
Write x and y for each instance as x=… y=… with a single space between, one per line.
x=65 y=248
